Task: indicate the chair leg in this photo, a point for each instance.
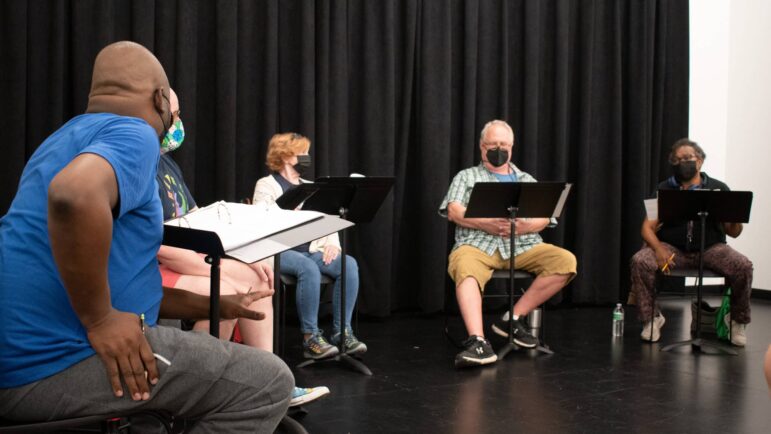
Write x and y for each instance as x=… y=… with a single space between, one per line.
x=356 y=315
x=653 y=315
x=730 y=330
x=282 y=328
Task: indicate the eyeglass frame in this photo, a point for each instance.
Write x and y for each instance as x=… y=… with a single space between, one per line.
x=678 y=160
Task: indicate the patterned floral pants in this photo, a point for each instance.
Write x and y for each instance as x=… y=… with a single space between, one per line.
x=720 y=258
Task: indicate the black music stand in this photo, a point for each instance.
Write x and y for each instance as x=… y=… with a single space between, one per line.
x=356 y=200
x=719 y=207
x=208 y=243
x=512 y=200
x=296 y=196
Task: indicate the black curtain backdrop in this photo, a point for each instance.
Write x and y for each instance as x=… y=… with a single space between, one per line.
x=596 y=92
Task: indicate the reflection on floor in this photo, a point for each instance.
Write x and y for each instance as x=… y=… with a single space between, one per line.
x=592 y=384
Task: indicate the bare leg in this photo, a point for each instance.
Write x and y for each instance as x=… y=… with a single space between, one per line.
x=541 y=290
x=470 y=302
x=241 y=272
x=768 y=368
x=259 y=334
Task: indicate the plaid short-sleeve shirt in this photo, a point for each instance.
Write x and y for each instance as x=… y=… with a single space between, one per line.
x=460 y=191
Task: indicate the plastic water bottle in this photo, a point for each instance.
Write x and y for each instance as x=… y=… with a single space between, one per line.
x=618 y=321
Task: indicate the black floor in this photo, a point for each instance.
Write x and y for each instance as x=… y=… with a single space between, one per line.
x=591 y=384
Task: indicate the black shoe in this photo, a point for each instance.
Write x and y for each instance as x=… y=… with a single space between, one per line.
x=478 y=352
x=501 y=327
x=521 y=336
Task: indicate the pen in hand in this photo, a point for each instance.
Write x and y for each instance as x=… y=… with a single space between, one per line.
x=666 y=268
x=157 y=356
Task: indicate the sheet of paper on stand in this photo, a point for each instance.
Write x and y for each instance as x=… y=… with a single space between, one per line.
x=249 y=233
x=239 y=224
x=652 y=208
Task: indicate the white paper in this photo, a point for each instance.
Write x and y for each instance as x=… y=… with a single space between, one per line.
x=561 y=202
x=708 y=281
x=652 y=208
x=285 y=240
x=239 y=224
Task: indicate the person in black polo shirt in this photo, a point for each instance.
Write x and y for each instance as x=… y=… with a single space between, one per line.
x=671 y=245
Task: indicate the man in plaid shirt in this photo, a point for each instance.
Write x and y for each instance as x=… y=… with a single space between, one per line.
x=482 y=245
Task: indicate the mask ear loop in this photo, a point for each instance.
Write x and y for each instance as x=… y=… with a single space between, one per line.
x=171 y=122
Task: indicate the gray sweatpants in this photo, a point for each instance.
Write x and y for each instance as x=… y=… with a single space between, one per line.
x=225 y=387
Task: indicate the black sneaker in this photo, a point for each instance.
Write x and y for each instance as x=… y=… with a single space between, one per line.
x=501 y=327
x=521 y=336
x=478 y=352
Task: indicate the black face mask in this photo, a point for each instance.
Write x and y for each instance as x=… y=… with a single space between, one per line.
x=685 y=171
x=497 y=157
x=303 y=164
x=171 y=120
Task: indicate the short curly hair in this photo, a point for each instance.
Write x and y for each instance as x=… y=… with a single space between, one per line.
x=700 y=154
x=285 y=145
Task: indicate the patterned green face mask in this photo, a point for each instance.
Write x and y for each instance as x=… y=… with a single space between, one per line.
x=174 y=137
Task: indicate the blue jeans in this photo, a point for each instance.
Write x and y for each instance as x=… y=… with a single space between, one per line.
x=308 y=268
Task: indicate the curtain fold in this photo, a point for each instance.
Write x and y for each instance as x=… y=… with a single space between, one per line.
x=595 y=90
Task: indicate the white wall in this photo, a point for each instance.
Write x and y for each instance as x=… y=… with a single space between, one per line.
x=730 y=109
x=708 y=118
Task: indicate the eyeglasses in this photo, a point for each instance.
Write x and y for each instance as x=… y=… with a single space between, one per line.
x=497 y=144
x=677 y=160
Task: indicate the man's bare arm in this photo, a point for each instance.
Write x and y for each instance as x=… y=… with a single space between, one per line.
x=181 y=304
x=81 y=198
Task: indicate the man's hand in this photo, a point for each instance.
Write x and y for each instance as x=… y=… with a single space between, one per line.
x=522 y=226
x=330 y=254
x=497 y=227
x=529 y=225
x=118 y=340
x=237 y=305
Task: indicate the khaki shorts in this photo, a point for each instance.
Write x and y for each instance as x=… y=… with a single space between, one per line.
x=542 y=260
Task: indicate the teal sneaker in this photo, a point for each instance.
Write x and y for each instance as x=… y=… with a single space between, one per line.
x=352 y=345
x=305 y=395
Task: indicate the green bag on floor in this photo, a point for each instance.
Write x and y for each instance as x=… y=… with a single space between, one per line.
x=725 y=309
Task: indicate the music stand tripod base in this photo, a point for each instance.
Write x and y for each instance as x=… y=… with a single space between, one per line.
x=347 y=359
x=512 y=346
x=357 y=200
x=698 y=343
x=341 y=356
